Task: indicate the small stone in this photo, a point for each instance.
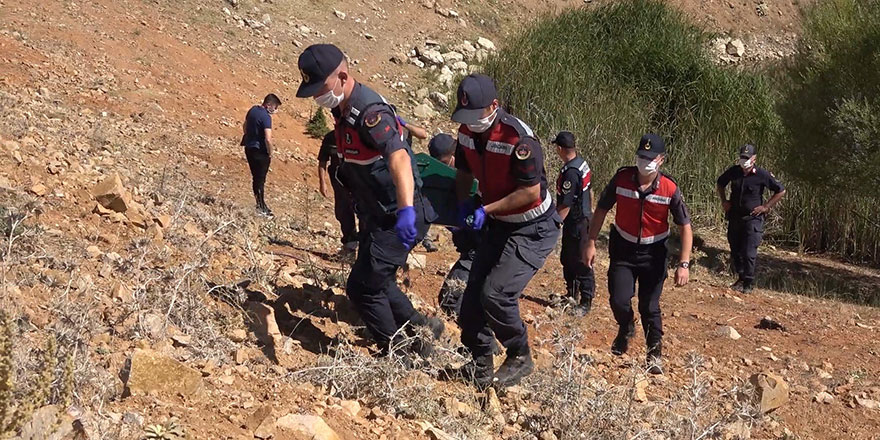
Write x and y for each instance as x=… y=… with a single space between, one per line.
x=339 y=14
x=352 y=407
x=728 y=332
x=39 y=189
x=431 y=56
x=112 y=195
x=153 y=325
x=241 y=356
x=738 y=430
x=440 y=99
x=164 y=221
x=823 y=397
x=238 y=335
x=771 y=391
x=424 y=111
x=181 y=340
x=641 y=388
x=49 y=422
x=452 y=57
x=867 y=403
x=485 y=43
x=312 y=427
x=152 y=372
x=736 y=48
x=93 y=251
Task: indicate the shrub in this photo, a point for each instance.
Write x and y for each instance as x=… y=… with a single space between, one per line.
x=832 y=116
x=317 y=125
x=613 y=73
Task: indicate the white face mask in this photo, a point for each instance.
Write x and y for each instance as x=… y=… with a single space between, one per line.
x=646 y=166
x=330 y=99
x=483 y=124
x=746 y=164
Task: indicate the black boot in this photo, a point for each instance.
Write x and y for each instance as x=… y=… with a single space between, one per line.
x=266 y=211
x=748 y=286
x=738 y=285
x=654 y=359
x=434 y=324
x=477 y=372
x=621 y=342
x=583 y=309
x=515 y=367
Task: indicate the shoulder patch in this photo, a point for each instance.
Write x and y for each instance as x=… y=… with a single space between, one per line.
x=566 y=186
x=523 y=152
x=372 y=119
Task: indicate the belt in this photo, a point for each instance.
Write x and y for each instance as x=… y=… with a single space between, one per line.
x=528 y=215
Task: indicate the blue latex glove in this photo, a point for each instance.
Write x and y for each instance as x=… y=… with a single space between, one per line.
x=406 y=226
x=465 y=210
x=476 y=220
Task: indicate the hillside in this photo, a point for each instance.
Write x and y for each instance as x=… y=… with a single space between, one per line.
x=182 y=304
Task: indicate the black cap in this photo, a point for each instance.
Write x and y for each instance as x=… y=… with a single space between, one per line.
x=564 y=139
x=316 y=63
x=475 y=93
x=651 y=146
x=441 y=145
x=747 y=151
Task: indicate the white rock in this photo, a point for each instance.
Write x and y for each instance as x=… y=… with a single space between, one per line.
x=466 y=47
x=736 y=48
x=431 y=56
x=417 y=62
x=446 y=76
x=440 y=99
x=339 y=14
x=460 y=66
x=823 y=397
x=486 y=43
x=452 y=57
x=728 y=332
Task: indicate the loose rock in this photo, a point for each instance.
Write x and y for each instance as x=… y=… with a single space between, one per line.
x=152 y=372
x=313 y=427
x=728 y=332
x=736 y=48
x=112 y=195
x=771 y=391
x=823 y=397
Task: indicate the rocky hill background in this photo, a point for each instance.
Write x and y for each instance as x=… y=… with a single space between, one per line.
x=142 y=298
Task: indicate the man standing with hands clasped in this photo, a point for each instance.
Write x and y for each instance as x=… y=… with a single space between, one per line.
x=645 y=198
x=379 y=169
x=745 y=210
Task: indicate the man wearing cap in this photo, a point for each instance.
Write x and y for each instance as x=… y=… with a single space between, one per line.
x=329 y=159
x=645 y=198
x=379 y=168
x=465 y=240
x=573 y=204
x=519 y=223
x=745 y=210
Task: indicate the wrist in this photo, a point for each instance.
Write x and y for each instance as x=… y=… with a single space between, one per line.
x=684 y=265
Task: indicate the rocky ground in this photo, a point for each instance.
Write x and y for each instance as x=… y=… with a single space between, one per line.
x=144 y=299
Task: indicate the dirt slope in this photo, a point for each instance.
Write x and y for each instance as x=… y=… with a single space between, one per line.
x=154 y=91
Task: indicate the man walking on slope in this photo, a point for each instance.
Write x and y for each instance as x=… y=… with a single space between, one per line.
x=645 y=198
x=257 y=143
x=520 y=228
x=379 y=169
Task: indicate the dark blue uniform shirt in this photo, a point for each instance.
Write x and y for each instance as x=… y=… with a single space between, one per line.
x=256 y=122
x=747 y=191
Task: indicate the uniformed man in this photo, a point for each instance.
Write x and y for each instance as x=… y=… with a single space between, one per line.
x=745 y=210
x=329 y=159
x=573 y=204
x=257 y=142
x=645 y=198
x=465 y=240
x=520 y=228
x=379 y=169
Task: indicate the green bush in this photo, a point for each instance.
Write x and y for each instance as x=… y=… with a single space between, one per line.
x=613 y=73
x=317 y=125
x=831 y=109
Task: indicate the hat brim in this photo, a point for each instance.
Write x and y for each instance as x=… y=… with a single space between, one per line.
x=308 y=90
x=648 y=154
x=467 y=115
